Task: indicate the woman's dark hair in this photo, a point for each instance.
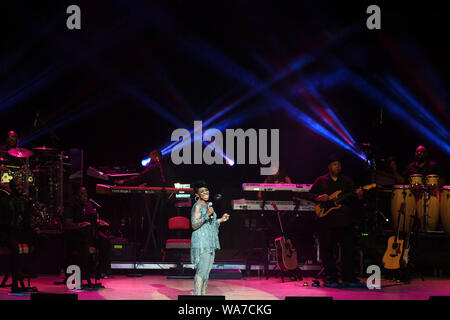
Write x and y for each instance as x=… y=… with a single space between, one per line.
x=199 y=184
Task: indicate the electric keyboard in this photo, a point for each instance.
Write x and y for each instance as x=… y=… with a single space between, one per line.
x=276 y=187
x=109 y=190
x=110 y=174
x=243 y=204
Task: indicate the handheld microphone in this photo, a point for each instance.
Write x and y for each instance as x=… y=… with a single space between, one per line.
x=210 y=204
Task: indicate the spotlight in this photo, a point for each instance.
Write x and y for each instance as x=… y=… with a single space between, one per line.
x=145 y=162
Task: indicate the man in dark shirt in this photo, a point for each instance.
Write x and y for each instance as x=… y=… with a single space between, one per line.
x=337 y=226
x=81 y=225
x=424 y=166
x=15 y=226
x=11 y=143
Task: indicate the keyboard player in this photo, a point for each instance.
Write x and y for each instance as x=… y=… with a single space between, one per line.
x=159 y=173
x=278 y=176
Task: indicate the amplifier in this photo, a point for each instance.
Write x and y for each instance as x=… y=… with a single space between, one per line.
x=122 y=251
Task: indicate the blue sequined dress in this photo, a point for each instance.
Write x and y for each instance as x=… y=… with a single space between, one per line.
x=205 y=235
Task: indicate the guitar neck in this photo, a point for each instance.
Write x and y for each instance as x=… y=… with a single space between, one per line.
x=346 y=195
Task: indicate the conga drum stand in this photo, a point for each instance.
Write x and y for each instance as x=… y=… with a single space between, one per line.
x=412 y=243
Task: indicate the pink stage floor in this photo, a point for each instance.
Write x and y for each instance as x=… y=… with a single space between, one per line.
x=157 y=287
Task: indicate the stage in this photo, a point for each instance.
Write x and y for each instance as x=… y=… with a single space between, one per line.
x=141 y=136
x=158 y=287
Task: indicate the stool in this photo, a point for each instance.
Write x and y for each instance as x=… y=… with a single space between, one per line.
x=93 y=255
x=261 y=252
x=178 y=224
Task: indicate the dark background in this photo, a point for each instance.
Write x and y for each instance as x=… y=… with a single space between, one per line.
x=137 y=70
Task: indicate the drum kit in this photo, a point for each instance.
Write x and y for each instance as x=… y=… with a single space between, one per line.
x=40 y=172
x=423 y=200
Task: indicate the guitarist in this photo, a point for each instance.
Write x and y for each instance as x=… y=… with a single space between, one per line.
x=337 y=226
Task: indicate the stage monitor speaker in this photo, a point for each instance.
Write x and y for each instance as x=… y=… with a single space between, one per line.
x=439 y=298
x=196 y=298
x=310 y=298
x=225 y=274
x=40 y=296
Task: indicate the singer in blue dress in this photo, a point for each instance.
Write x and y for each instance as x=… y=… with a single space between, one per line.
x=205 y=236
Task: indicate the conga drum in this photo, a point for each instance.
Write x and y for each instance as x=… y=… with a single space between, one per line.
x=432 y=183
x=416 y=181
x=428 y=212
x=444 y=210
x=402 y=194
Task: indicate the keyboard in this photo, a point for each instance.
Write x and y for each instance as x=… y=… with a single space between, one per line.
x=110 y=190
x=243 y=204
x=276 y=187
x=107 y=174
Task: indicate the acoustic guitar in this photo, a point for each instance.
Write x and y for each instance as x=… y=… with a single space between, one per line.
x=286 y=253
x=322 y=209
x=394 y=253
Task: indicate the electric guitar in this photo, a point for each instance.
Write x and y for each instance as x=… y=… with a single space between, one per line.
x=394 y=252
x=322 y=209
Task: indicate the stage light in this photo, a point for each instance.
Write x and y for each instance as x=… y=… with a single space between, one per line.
x=310 y=123
x=393 y=107
x=420 y=110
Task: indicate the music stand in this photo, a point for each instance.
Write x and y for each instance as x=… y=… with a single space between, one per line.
x=151 y=219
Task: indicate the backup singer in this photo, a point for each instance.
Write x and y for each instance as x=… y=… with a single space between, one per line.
x=336 y=227
x=205 y=239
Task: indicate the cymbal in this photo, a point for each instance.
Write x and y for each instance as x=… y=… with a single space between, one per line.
x=20 y=152
x=44 y=148
x=3 y=159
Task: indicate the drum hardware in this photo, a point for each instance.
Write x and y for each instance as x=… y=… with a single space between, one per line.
x=3 y=191
x=44 y=149
x=41 y=170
